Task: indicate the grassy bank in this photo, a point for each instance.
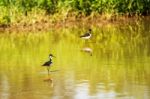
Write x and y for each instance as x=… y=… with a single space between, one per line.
x=28 y=12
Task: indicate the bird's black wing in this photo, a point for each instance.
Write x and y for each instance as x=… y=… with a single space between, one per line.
x=47 y=63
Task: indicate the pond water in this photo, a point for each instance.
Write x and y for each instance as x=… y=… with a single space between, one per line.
x=113 y=64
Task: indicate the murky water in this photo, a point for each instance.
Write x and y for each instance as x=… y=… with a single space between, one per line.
x=113 y=64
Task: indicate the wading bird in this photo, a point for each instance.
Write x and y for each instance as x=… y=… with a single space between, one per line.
x=48 y=63
x=87 y=35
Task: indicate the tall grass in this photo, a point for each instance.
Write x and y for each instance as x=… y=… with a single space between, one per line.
x=10 y=8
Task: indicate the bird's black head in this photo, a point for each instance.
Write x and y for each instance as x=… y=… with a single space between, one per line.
x=90 y=30
x=51 y=55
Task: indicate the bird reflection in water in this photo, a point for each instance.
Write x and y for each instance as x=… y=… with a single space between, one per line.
x=87 y=50
x=49 y=79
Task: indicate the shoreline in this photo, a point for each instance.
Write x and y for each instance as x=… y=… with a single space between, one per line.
x=46 y=23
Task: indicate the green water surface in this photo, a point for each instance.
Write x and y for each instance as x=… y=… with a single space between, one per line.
x=116 y=65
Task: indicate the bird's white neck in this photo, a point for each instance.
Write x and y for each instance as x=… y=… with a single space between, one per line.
x=50 y=57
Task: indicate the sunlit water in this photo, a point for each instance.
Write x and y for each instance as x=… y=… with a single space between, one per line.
x=113 y=64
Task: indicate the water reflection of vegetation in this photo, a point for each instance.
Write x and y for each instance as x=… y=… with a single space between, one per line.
x=111 y=40
x=120 y=59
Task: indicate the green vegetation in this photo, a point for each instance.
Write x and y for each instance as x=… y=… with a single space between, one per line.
x=12 y=10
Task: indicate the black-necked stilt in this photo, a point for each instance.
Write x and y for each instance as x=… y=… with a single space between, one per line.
x=87 y=35
x=48 y=63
